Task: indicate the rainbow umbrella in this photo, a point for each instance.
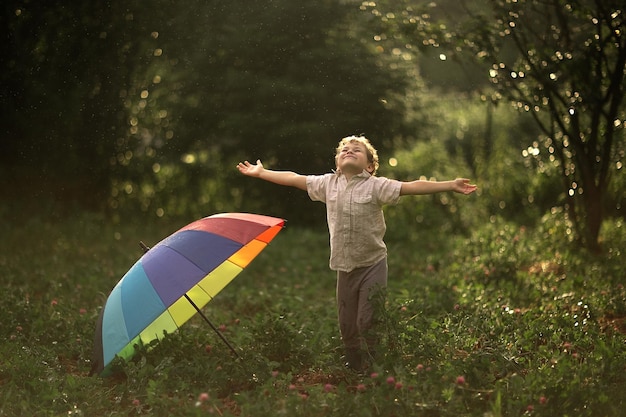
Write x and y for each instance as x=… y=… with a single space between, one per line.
x=176 y=278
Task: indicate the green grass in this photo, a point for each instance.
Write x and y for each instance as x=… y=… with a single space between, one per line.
x=505 y=322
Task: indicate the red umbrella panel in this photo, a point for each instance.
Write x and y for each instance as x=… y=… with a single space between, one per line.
x=176 y=278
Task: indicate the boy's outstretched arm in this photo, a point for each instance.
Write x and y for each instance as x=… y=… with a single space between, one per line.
x=287 y=178
x=419 y=187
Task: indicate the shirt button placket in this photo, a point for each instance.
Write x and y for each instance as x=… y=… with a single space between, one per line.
x=347 y=219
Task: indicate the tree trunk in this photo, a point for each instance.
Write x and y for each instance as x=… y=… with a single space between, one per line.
x=592 y=198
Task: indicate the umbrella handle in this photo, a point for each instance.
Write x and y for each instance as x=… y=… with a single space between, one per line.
x=212 y=326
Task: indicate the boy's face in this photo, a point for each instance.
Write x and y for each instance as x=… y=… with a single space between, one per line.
x=352 y=158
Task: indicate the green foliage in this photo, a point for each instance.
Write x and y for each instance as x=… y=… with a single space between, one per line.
x=444 y=212
x=561 y=64
x=148 y=107
x=507 y=320
x=476 y=140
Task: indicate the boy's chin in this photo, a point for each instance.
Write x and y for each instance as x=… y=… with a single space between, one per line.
x=350 y=167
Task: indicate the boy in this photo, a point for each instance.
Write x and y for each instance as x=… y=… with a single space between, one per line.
x=354 y=198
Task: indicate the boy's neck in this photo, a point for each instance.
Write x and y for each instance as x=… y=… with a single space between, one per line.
x=350 y=173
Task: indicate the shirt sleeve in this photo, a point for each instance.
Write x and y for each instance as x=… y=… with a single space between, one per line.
x=387 y=190
x=316 y=186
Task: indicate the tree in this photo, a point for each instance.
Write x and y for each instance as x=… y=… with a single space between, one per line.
x=280 y=80
x=147 y=106
x=65 y=73
x=563 y=62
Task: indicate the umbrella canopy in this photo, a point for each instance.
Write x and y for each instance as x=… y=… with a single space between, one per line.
x=181 y=273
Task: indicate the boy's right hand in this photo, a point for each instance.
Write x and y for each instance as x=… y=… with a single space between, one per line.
x=247 y=168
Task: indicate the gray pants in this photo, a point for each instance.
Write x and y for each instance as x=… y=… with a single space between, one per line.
x=356 y=302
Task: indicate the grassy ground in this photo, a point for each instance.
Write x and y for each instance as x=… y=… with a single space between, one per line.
x=506 y=322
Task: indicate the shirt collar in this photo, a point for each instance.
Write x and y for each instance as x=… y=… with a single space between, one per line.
x=363 y=174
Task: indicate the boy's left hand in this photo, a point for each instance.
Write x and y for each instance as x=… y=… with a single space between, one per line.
x=463 y=186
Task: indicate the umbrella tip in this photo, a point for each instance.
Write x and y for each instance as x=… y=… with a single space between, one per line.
x=144 y=247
